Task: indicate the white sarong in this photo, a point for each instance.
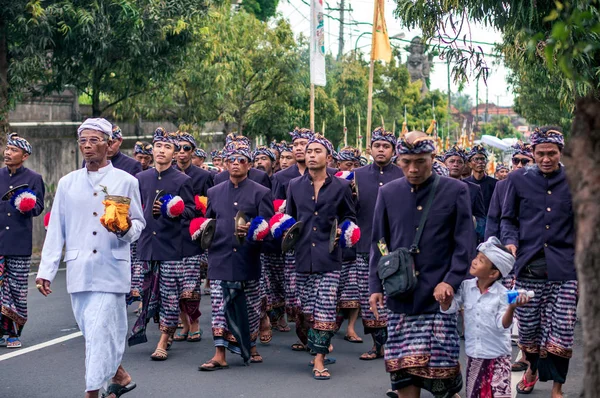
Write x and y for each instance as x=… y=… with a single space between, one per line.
x=102 y=318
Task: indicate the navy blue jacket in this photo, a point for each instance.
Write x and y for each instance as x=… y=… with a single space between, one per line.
x=227 y=259
x=334 y=202
x=487 y=185
x=283 y=178
x=447 y=242
x=254 y=174
x=15 y=227
x=368 y=180
x=537 y=217
x=492 y=226
x=161 y=240
x=201 y=182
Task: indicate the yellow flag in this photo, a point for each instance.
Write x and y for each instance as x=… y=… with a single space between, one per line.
x=380 y=45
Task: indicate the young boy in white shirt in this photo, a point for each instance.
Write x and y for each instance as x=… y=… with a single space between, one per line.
x=488 y=320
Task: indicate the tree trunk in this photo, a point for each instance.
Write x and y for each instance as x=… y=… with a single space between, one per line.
x=582 y=161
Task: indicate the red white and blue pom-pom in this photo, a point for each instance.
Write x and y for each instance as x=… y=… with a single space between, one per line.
x=345 y=175
x=46 y=220
x=350 y=234
x=172 y=206
x=279 y=205
x=280 y=223
x=23 y=200
x=259 y=229
x=197 y=226
x=201 y=203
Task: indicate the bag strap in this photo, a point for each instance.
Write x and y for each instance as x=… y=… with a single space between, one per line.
x=414 y=249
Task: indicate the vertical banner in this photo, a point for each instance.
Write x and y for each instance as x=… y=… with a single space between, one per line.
x=380 y=45
x=317 y=44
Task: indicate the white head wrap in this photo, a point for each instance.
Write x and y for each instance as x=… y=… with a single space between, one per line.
x=98 y=124
x=502 y=260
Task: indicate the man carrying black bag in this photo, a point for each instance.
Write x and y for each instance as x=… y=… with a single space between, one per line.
x=423 y=344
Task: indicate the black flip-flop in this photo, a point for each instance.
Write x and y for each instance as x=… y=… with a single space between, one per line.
x=118 y=389
x=353 y=339
x=215 y=366
x=298 y=347
x=391 y=394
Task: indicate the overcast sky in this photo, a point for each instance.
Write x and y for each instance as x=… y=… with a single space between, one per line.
x=297 y=12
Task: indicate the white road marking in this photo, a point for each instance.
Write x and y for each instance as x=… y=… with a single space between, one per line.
x=35 y=273
x=22 y=351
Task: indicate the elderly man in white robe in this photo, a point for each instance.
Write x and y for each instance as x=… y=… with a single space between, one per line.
x=98 y=260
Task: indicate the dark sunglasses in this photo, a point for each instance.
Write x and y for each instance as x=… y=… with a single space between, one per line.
x=187 y=148
x=239 y=159
x=523 y=161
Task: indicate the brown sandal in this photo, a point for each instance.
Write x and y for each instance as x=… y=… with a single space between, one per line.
x=159 y=355
x=256 y=358
x=215 y=366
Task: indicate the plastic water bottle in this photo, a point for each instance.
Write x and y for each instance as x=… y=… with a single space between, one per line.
x=512 y=295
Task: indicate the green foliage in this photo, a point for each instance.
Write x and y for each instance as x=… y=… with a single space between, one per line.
x=262 y=9
x=501 y=127
x=462 y=102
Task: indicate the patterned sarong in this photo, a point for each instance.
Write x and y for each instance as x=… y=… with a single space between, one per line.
x=192 y=287
x=349 y=288
x=319 y=297
x=488 y=378
x=424 y=345
x=547 y=324
x=13 y=294
x=221 y=335
x=162 y=298
x=292 y=299
x=204 y=265
x=368 y=318
x=137 y=278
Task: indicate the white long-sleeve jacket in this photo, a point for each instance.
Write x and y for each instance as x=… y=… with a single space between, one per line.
x=97 y=260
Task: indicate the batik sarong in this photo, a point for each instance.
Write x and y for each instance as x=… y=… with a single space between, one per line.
x=13 y=294
x=546 y=326
x=204 y=265
x=292 y=299
x=102 y=319
x=489 y=378
x=222 y=336
x=272 y=285
x=162 y=298
x=136 y=276
x=349 y=290
x=319 y=296
x=368 y=318
x=423 y=350
x=192 y=287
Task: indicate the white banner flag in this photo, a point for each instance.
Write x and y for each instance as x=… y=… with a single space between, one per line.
x=317 y=44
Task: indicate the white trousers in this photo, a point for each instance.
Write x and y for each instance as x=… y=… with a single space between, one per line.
x=102 y=318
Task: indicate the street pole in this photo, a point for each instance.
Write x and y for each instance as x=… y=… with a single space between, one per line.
x=477 y=104
x=312 y=107
x=370 y=101
x=341 y=38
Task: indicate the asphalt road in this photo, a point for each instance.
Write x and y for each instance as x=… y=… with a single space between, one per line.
x=50 y=368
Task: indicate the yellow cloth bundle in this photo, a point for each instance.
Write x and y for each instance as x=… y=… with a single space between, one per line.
x=116 y=211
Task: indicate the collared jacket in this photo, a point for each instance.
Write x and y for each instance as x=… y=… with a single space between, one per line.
x=228 y=259
x=16 y=227
x=97 y=260
x=537 y=216
x=201 y=182
x=317 y=213
x=254 y=174
x=368 y=179
x=487 y=185
x=447 y=242
x=492 y=226
x=161 y=240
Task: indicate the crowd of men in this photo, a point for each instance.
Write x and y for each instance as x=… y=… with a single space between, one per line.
x=298 y=233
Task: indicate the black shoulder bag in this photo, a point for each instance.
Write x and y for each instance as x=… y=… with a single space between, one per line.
x=397 y=269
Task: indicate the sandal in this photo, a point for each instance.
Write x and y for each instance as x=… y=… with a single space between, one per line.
x=320 y=376
x=353 y=339
x=299 y=347
x=180 y=336
x=371 y=355
x=256 y=358
x=118 y=389
x=391 y=394
x=284 y=328
x=526 y=387
x=215 y=366
x=195 y=337
x=13 y=342
x=159 y=355
x=519 y=366
x=266 y=336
